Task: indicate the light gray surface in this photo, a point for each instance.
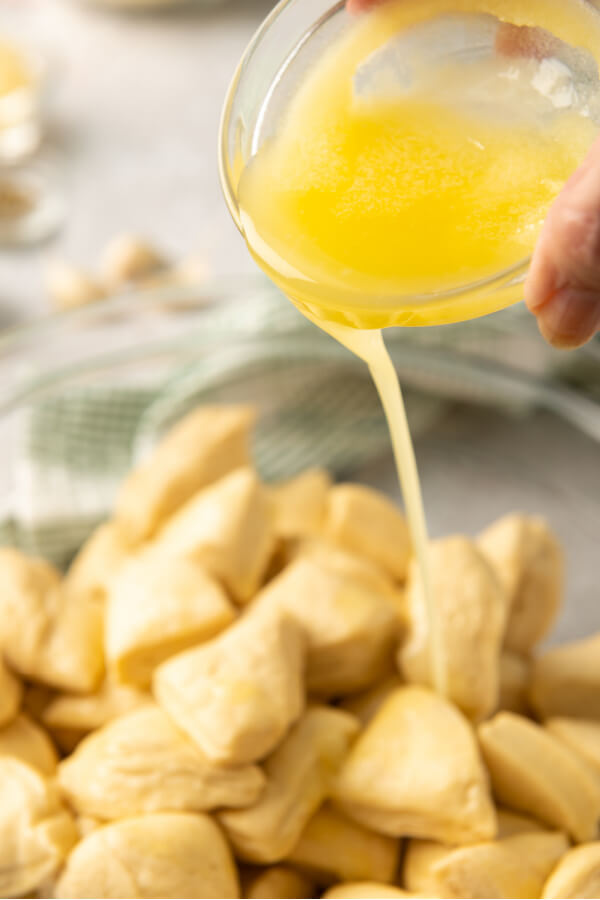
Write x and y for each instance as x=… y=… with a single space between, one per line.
x=134 y=132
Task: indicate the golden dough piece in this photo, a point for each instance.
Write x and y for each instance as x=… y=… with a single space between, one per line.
x=515 y=672
x=87 y=824
x=367 y=703
x=565 y=681
x=228 y=528
x=36 y=832
x=333 y=848
x=97 y=562
x=70 y=287
x=69 y=717
x=424 y=862
x=299 y=775
x=169 y=855
x=533 y=772
x=528 y=560
x=129 y=258
x=576 y=875
x=419 y=872
x=351 y=628
x=363 y=571
x=203 y=447
x=277 y=883
x=46 y=634
x=300 y=504
x=367 y=523
x=142 y=763
x=157 y=608
x=513 y=867
x=581 y=735
x=11 y=693
x=416 y=771
x=470 y=607
x=237 y=695
x=366 y=890
x=25 y=740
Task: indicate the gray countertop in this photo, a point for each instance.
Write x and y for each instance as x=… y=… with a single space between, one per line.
x=134 y=123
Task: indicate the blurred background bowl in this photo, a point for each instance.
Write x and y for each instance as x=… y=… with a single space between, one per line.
x=83 y=396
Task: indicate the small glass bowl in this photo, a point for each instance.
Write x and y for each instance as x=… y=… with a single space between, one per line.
x=283 y=49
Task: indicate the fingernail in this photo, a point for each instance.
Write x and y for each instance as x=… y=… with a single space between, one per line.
x=570 y=318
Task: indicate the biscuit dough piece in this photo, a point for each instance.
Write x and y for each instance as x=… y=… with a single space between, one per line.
x=576 y=875
x=203 y=447
x=361 y=570
x=237 y=695
x=420 y=865
x=515 y=672
x=300 y=504
x=87 y=824
x=351 y=628
x=513 y=867
x=69 y=717
x=365 y=890
x=419 y=868
x=528 y=560
x=25 y=740
x=142 y=763
x=169 y=855
x=334 y=848
x=367 y=703
x=46 y=634
x=416 y=771
x=157 y=608
x=299 y=777
x=470 y=608
x=533 y=772
x=367 y=523
x=581 y=735
x=228 y=528
x=128 y=258
x=36 y=832
x=97 y=562
x=11 y=693
x=278 y=883
x=565 y=681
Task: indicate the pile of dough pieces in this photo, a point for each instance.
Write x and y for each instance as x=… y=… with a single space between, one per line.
x=228 y=694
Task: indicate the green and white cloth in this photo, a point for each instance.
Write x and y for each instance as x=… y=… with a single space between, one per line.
x=316 y=401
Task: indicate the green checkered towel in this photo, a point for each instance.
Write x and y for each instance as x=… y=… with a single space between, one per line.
x=316 y=401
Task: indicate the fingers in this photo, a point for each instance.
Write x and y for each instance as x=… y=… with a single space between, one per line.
x=358 y=6
x=521 y=40
x=563 y=286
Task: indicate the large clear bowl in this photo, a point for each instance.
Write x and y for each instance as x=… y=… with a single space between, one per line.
x=286 y=46
x=501 y=422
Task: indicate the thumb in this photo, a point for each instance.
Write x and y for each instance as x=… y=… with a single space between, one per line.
x=563 y=285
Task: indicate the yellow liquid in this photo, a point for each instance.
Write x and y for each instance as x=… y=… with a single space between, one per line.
x=356 y=206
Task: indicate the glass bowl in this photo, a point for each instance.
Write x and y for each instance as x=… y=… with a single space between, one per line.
x=292 y=38
x=501 y=421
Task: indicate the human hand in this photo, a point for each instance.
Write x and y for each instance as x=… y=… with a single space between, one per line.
x=563 y=285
